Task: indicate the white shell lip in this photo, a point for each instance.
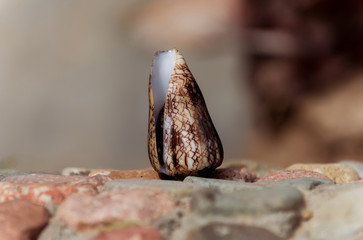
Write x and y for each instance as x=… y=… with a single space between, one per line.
x=162 y=70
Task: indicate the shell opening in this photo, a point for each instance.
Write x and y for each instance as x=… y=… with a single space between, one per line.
x=162 y=70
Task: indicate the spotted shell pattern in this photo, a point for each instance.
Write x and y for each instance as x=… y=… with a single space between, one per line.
x=182 y=140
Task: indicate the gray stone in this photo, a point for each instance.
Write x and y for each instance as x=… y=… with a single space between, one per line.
x=225 y=231
x=58 y=231
x=248 y=201
x=358 y=166
x=336 y=213
x=300 y=183
x=221 y=185
x=13 y=172
x=176 y=188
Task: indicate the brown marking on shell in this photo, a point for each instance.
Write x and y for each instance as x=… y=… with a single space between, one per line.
x=190 y=141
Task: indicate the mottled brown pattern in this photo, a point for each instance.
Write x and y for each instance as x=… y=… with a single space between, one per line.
x=190 y=140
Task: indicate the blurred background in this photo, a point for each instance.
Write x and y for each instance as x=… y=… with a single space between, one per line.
x=283 y=80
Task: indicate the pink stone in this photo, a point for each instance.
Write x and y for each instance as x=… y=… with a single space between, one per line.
x=288 y=174
x=46 y=189
x=141 y=205
x=134 y=233
x=21 y=220
x=237 y=174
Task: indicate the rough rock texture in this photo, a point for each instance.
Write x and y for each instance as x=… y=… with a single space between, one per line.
x=288 y=174
x=135 y=233
x=21 y=220
x=224 y=231
x=339 y=173
x=143 y=206
x=358 y=166
x=47 y=189
x=126 y=174
x=337 y=213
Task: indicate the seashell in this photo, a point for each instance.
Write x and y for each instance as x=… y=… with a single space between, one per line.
x=182 y=139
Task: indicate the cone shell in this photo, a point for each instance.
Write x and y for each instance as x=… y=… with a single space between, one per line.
x=182 y=139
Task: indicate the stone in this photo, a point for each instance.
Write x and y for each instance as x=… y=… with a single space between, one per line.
x=289 y=174
x=134 y=233
x=236 y=174
x=221 y=185
x=75 y=171
x=358 y=166
x=22 y=220
x=258 y=168
x=11 y=172
x=126 y=174
x=336 y=213
x=249 y=201
x=176 y=188
x=143 y=206
x=46 y=189
x=339 y=173
x=229 y=231
x=306 y=183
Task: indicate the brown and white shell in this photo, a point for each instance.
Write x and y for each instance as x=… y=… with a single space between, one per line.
x=182 y=139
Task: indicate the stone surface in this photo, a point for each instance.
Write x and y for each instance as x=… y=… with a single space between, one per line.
x=47 y=189
x=358 y=166
x=127 y=174
x=176 y=188
x=308 y=183
x=11 y=172
x=336 y=213
x=21 y=220
x=259 y=168
x=143 y=206
x=237 y=174
x=222 y=185
x=135 y=233
x=288 y=174
x=339 y=173
x=225 y=231
x=249 y=201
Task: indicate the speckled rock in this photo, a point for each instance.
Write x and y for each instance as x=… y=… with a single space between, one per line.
x=127 y=174
x=134 y=233
x=46 y=189
x=236 y=174
x=140 y=205
x=336 y=213
x=358 y=166
x=21 y=220
x=288 y=174
x=339 y=173
x=225 y=231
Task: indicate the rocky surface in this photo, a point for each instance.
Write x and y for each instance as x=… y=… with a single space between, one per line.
x=235 y=202
x=339 y=173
